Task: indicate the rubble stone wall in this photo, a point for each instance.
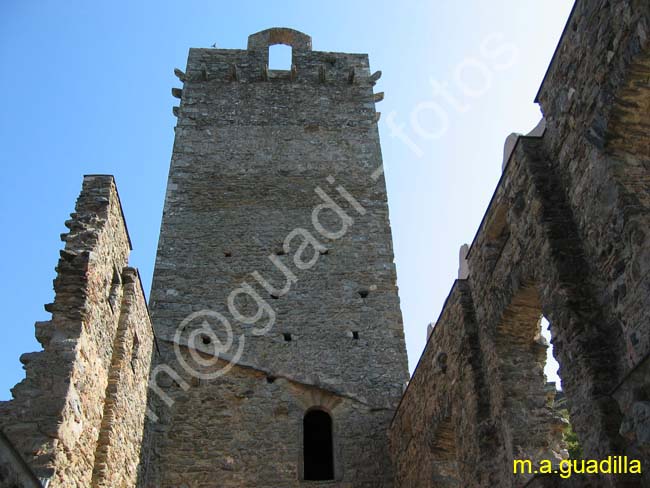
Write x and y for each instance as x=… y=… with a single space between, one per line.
x=564 y=237
x=62 y=409
x=275 y=292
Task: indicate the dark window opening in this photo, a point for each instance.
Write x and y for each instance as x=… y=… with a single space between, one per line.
x=287 y=336
x=355 y=334
x=363 y=293
x=318 y=446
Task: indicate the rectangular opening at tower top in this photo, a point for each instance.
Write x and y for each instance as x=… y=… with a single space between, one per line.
x=280 y=57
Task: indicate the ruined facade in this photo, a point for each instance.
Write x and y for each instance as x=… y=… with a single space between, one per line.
x=565 y=236
x=274 y=355
x=77 y=418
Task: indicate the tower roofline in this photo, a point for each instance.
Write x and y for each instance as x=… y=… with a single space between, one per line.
x=279 y=35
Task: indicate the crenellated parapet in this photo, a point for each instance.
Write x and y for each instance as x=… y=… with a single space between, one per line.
x=247 y=71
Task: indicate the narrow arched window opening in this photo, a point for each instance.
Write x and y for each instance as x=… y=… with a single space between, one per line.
x=318 y=446
x=552 y=373
x=551 y=366
x=280 y=57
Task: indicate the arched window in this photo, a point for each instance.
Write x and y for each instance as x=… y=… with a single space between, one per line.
x=318 y=446
x=528 y=400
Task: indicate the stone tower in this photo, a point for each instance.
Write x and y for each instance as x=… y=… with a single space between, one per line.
x=274 y=298
x=278 y=355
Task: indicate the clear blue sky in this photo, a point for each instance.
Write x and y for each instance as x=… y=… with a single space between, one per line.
x=86 y=89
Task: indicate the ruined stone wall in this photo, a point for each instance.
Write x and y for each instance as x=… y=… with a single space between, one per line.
x=258 y=155
x=60 y=420
x=119 y=446
x=565 y=236
x=447 y=395
x=493 y=380
x=596 y=98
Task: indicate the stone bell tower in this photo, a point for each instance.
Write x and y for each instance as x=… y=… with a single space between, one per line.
x=281 y=348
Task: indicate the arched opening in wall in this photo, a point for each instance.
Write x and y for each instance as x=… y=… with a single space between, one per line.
x=551 y=371
x=444 y=462
x=551 y=368
x=318 y=446
x=528 y=402
x=280 y=57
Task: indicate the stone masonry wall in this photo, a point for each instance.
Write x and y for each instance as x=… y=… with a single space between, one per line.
x=118 y=453
x=275 y=184
x=596 y=98
x=217 y=432
x=447 y=394
x=274 y=292
x=564 y=237
x=60 y=420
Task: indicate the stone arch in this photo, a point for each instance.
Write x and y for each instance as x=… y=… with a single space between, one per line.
x=626 y=155
x=259 y=44
x=279 y=35
x=533 y=428
x=572 y=292
x=629 y=115
x=623 y=247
